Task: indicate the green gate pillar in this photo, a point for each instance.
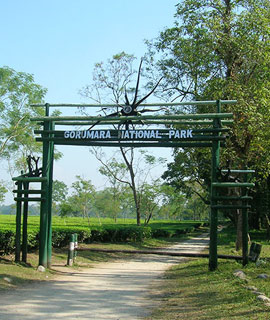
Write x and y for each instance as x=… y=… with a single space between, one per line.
x=43 y=238
x=25 y=218
x=214 y=212
x=50 y=186
x=45 y=241
x=245 y=226
x=18 y=224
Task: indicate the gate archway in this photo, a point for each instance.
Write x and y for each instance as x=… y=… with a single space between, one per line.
x=190 y=130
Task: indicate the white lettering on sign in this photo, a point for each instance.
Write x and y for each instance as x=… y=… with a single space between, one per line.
x=128 y=134
x=180 y=134
x=189 y=133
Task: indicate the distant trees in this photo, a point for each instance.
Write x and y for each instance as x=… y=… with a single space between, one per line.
x=59 y=195
x=157 y=201
x=3 y=191
x=133 y=173
x=80 y=202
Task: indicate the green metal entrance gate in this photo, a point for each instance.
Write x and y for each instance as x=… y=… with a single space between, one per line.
x=179 y=130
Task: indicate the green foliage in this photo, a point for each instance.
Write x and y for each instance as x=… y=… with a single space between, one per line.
x=3 y=191
x=81 y=202
x=220 y=50
x=59 y=195
x=122 y=232
x=110 y=79
x=7 y=241
x=60 y=191
x=17 y=92
x=107 y=203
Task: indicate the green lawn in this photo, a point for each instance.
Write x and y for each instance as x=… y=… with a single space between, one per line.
x=191 y=291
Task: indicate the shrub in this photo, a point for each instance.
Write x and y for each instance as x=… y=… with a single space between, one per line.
x=7 y=241
x=33 y=240
x=138 y=234
x=105 y=233
x=179 y=232
x=121 y=234
x=162 y=233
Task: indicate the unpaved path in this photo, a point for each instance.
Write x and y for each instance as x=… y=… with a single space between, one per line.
x=114 y=290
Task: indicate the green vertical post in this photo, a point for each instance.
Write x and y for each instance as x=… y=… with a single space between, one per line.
x=70 y=258
x=213 y=261
x=25 y=218
x=245 y=226
x=50 y=187
x=43 y=240
x=75 y=245
x=18 y=223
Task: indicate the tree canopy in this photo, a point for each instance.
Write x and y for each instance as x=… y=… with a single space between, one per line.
x=18 y=91
x=220 y=49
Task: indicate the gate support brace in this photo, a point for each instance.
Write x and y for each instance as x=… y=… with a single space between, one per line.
x=162 y=253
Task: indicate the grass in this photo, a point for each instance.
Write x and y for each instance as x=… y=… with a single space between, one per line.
x=191 y=291
x=13 y=275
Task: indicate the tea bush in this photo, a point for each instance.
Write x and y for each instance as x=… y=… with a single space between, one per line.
x=95 y=232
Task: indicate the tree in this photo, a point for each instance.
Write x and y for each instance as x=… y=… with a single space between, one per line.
x=111 y=82
x=107 y=204
x=197 y=208
x=172 y=202
x=17 y=92
x=134 y=173
x=82 y=197
x=3 y=191
x=59 y=195
x=111 y=171
x=220 y=49
x=149 y=200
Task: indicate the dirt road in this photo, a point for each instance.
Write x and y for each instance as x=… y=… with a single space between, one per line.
x=115 y=290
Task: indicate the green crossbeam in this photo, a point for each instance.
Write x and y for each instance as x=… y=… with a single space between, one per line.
x=29 y=191
x=29 y=199
x=138 y=122
x=237 y=171
x=233 y=198
x=29 y=179
x=232 y=184
x=164 y=104
x=134 y=144
x=228 y=206
x=130 y=118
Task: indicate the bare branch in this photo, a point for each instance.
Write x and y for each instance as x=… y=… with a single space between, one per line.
x=94 y=151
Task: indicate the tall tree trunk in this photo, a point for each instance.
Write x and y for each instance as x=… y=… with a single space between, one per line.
x=267 y=221
x=136 y=201
x=133 y=184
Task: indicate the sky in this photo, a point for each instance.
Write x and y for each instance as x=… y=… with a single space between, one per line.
x=59 y=42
